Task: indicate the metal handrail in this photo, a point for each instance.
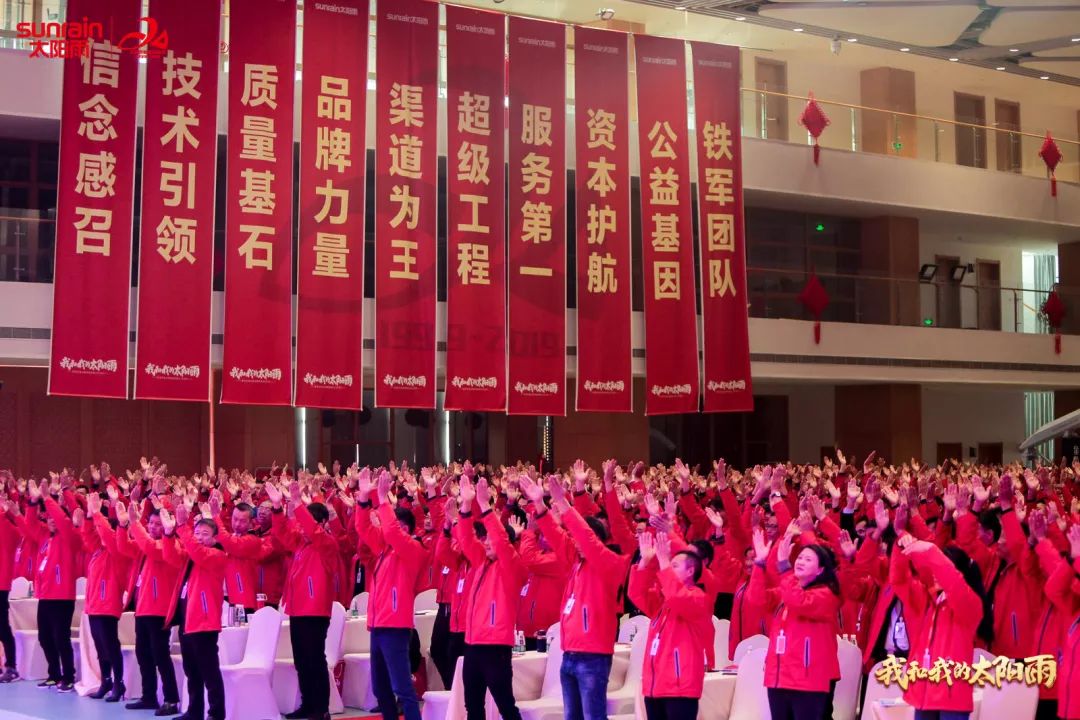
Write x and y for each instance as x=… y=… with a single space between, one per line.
x=884 y=278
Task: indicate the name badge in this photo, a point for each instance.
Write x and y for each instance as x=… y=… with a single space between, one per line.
x=569 y=606
x=525 y=590
x=655 y=646
x=461 y=585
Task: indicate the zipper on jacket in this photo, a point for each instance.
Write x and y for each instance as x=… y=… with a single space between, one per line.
x=585 y=617
x=678 y=670
x=239 y=583
x=202 y=596
x=1072 y=663
x=310 y=588
x=806 y=653
x=101 y=593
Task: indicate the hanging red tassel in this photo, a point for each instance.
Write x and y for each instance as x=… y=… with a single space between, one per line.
x=817 y=152
x=817 y=332
x=815 y=299
x=1053 y=185
x=1051 y=155
x=1057 y=343
x=815 y=121
x=1054 y=310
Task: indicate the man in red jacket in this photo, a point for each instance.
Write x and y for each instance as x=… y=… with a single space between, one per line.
x=245 y=551
x=107 y=572
x=9 y=540
x=590 y=605
x=398 y=565
x=498 y=575
x=309 y=595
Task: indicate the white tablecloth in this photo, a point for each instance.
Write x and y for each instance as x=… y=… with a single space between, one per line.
x=716 y=696
x=23 y=614
x=357 y=690
x=897 y=709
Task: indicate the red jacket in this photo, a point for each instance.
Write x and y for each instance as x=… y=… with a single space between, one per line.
x=271 y=572
x=57 y=569
x=802 y=640
x=203 y=590
x=241 y=573
x=446 y=562
x=539 y=607
x=25 y=554
x=107 y=570
x=593 y=594
x=457 y=580
x=9 y=541
x=492 y=604
x=939 y=626
x=678 y=634
x=1017 y=594
x=1063 y=592
x=157 y=578
x=309 y=589
x=400 y=559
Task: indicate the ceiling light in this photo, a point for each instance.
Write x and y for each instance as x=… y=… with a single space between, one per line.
x=853 y=39
x=905 y=49
x=954 y=59
x=605 y=13
x=797 y=30
x=1044 y=77
x=1001 y=67
x=1014 y=49
x=740 y=18
x=680 y=7
x=1076 y=39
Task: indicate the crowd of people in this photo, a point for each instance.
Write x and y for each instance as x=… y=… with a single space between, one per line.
x=914 y=561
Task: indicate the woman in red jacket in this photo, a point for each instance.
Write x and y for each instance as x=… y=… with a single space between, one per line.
x=667 y=592
x=196 y=608
x=107 y=572
x=9 y=540
x=942 y=599
x=801 y=662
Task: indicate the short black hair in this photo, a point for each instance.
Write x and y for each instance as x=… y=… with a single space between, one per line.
x=704 y=550
x=598 y=528
x=405 y=515
x=990 y=520
x=209 y=523
x=318 y=512
x=244 y=507
x=695 y=560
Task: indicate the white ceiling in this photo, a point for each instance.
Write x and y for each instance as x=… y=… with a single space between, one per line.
x=914 y=23
x=1017 y=27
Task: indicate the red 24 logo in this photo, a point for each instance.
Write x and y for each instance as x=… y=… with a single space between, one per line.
x=151 y=42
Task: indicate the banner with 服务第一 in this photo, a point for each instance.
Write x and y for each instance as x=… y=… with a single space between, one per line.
x=602 y=199
x=406 y=183
x=726 y=339
x=176 y=238
x=257 y=356
x=330 y=262
x=476 y=225
x=536 y=257
x=671 y=350
x=95 y=192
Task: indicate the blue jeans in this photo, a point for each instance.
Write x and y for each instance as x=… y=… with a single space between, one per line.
x=941 y=715
x=584 y=685
x=391 y=675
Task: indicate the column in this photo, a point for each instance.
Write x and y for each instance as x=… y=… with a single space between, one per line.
x=884 y=418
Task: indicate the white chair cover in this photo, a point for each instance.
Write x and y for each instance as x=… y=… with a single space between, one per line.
x=550 y=704
x=29 y=658
x=359 y=603
x=248 y=692
x=754 y=642
x=20 y=588
x=846 y=695
x=633 y=625
x=426 y=601
x=876 y=691
x=80 y=587
x=721 y=630
x=285 y=681
x=750 y=701
x=1013 y=700
x=622 y=700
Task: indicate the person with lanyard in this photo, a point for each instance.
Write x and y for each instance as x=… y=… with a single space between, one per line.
x=9 y=541
x=107 y=573
x=398 y=565
x=591 y=601
x=245 y=551
x=491 y=606
x=308 y=593
x=196 y=606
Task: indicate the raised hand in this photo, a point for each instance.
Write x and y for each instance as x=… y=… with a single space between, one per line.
x=1006 y=493
x=1037 y=524
x=1074 y=542
x=363 y=484
x=532 y=490
x=78 y=517
x=466 y=493
x=647 y=548
x=663 y=550
x=652 y=505
x=580 y=476
x=33 y=491
x=273 y=492
x=683 y=474
x=483 y=495
x=847 y=545
x=122 y=515
x=868 y=463
x=558 y=492
x=168 y=522
x=515 y=524
x=181 y=514
x=93 y=503
x=834 y=492
x=715 y=518
x=609 y=467
x=761 y=546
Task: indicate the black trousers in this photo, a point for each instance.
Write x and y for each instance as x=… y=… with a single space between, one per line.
x=455 y=648
x=104 y=631
x=440 y=645
x=199 y=652
x=798 y=704
x=1046 y=710
x=308 y=636
x=152 y=652
x=54 y=635
x=489 y=668
x=7 y=638
x=671 y=708
x=724 y=604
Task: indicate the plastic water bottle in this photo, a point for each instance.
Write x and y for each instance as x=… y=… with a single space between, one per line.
x=241 y=615
x=30 y=589
x=519 y=641
x=541 y=641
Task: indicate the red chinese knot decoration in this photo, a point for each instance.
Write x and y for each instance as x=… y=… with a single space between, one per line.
x=815 y=299
x=815 y=121
x=1054 y=310
x=1051 y=155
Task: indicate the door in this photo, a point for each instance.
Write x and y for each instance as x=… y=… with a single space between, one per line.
x=948 y=292
x=990 y=453
x=949 y=451
x=772 y=110
x=971 y=136
x=988 y=280
x=1007 y=144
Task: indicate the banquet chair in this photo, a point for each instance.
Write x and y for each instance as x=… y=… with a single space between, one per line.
x=248 y=694
x=750 y=701
x=549 y=706
x=846 y=694
x=80 y=587
x=285 y=681
x=721 y=630
x=876 y=691
x=29 y=658
x=753 y=642
x=1011 y=700
x=426 y=602
x=126 y=630
x=633 y=626
x=20 y=588
x=359 y=603
x=622 y=700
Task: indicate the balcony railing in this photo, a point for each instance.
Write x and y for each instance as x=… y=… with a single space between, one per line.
x=904 y=301
x=855 y=128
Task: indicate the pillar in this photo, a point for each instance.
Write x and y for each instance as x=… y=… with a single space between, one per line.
x=889 y=248
x=883 y=418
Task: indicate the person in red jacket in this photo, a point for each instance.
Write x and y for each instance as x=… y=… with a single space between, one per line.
x=9 y=541
x=801 y=663
x=666 y=589
x=196 y=608
x=270 y=575
x=398 y=565
x=54 y=581
x=590 y=605
x=245 y=551
x=491 y=606
x=308 y=595
x=1063 y=589
x=153 y=593
x=106 y=573
x=942 y=598
x=548 y=569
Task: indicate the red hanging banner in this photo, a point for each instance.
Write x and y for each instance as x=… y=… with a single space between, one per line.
x=406 y=182
x=257 y=367
x=537 y=254
x=671 y=350
x=176 y=238
x=476 y=246
x=92 y=274
x=330 y=266
x=602 y=200
x=720 y=219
